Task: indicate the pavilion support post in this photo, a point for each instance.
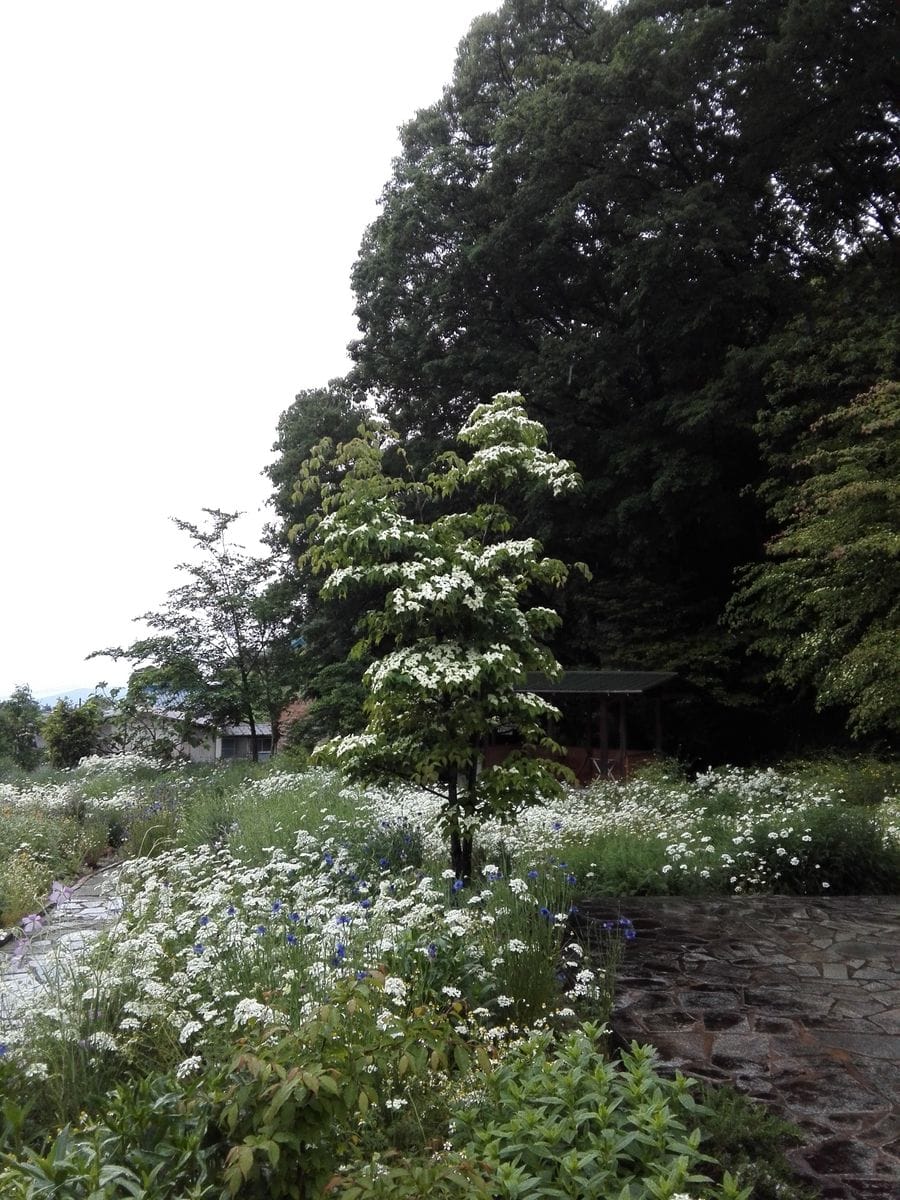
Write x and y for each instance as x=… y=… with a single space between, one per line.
x=604 y=737
x=657 y=714
x=623 y=736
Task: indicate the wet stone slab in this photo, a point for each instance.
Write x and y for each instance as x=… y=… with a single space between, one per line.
x=794 y=1002
x=30 y=964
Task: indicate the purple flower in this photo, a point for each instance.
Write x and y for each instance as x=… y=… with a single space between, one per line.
x=204 y=920
x=367 y=903
x=260 y=929
x=4 y=1049
x=457 y=885
x=291 y=939
x=571 y=879
x=432 y=950
x=343 y=919
x=276 y=906
x=546 y=913
x=532 y=874
x=59 y=893
x=32 y=922
x=230 y=910
x=199 y=947
x=339 y=955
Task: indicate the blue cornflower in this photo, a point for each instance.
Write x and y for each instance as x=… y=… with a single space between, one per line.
x=362 y=975
x=199 y=947
x=384 y=863
x=329 y=860
x=230 y=910
x=4 y=1049
x=432 y=950
x=343 y=919
x=556 y=826
x=532 y=874
x=365 y=903
x=204 y=920
x=457 y=885
x=260 y=929
x=291 y=939
x=571 y=879
x=294 y=916
x=277 y=906
x=546 y=913
x=339 y=955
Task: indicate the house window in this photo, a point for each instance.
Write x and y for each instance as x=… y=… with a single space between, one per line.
x=240 y=746
x=230 y=747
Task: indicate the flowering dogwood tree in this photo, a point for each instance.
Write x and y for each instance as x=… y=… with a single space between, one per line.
x=453 y=627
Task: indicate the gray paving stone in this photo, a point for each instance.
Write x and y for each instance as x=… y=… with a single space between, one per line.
x=813 y=1029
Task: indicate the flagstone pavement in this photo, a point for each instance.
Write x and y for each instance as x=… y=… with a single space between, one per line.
x=795 y=1001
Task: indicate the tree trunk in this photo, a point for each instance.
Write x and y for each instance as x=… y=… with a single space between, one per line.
x=461 y=855
x=460 y=839
x=254 y=748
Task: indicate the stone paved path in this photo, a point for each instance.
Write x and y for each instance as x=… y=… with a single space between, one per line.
x=794 y=1001
x=66 y=929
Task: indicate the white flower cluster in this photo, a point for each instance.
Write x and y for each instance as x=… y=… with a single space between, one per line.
x=447 y=667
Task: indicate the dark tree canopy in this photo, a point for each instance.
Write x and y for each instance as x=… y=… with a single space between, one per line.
x=322 y=671
x=652 y=222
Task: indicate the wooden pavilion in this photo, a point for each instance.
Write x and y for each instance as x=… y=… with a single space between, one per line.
x=597 y=708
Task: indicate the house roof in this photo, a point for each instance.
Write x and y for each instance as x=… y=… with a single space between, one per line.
x=263 y=729
x=599 y=683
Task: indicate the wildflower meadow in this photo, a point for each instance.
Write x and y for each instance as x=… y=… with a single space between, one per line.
x=298 y=997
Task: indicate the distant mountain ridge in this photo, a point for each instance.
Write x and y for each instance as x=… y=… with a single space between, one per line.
x=74 y=696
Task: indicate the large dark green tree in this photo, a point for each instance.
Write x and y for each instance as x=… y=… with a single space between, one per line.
x=324 y=673
x=621 y=213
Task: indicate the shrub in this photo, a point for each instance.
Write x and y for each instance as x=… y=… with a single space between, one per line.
x=556 y=1119
x=750 y=1140
x=842 y=850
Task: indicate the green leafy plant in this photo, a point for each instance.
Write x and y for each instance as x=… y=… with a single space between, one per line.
x=297 y=1101
x=557 y=1119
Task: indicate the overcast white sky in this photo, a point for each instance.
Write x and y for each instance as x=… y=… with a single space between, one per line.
x=185 y=186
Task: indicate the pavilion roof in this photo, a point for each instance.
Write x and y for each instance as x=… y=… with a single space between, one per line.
x=599 y=683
